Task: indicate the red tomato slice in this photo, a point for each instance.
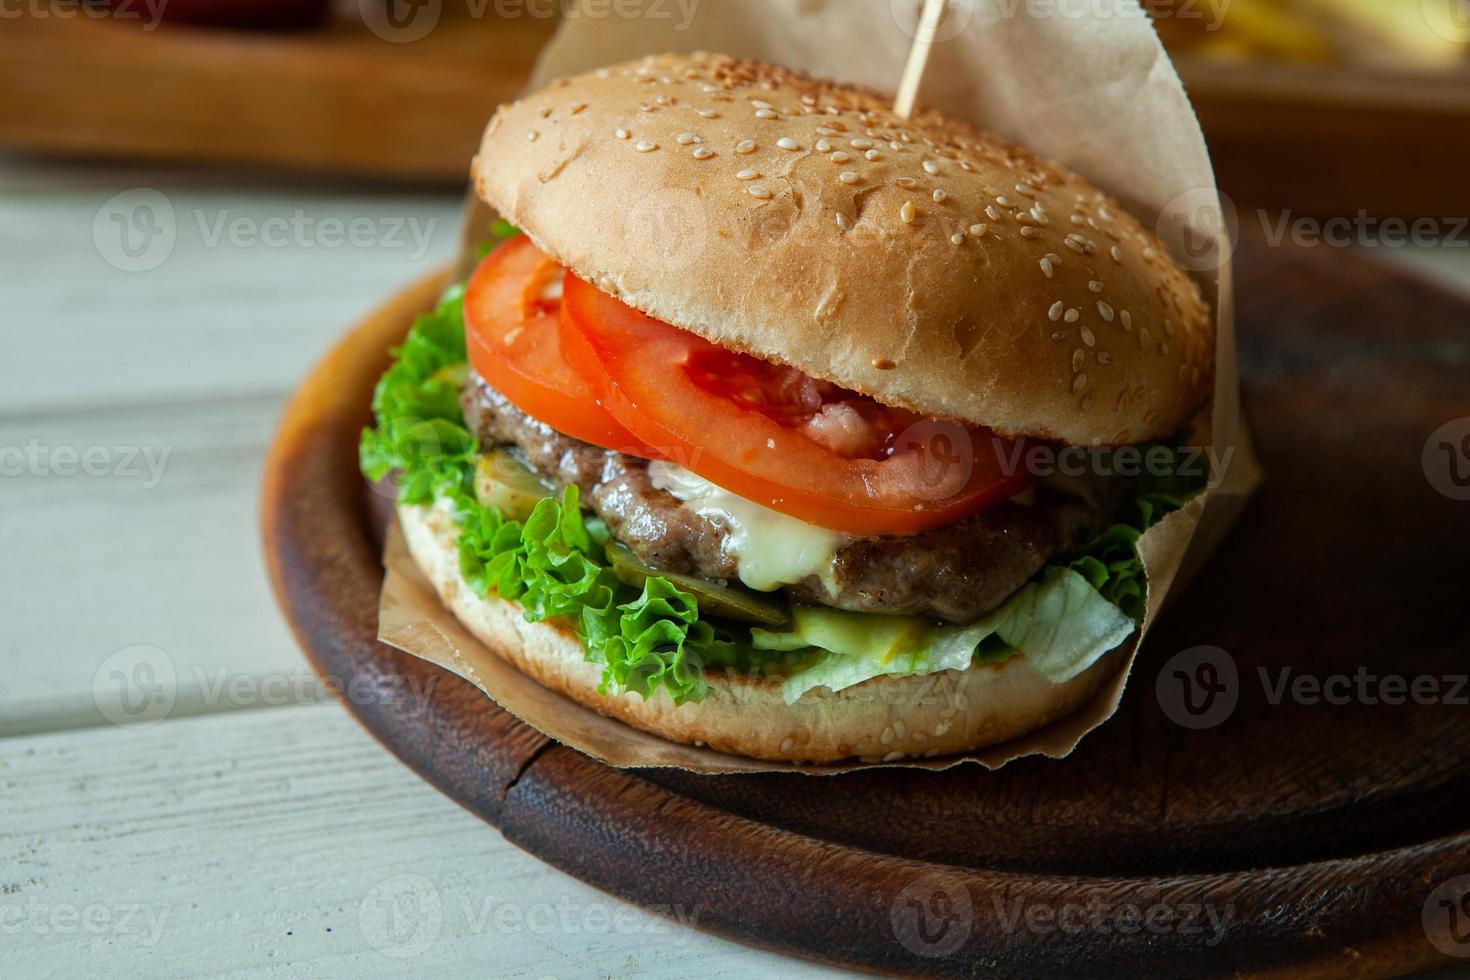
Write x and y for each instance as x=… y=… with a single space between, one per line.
x=776 y=436
x=510 y=319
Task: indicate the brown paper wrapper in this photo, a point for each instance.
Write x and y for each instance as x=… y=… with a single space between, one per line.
x=1090 y=87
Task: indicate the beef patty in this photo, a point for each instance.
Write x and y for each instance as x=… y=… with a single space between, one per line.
x=956 y=573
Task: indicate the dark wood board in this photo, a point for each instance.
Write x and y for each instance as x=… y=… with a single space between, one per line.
x=1321 y=829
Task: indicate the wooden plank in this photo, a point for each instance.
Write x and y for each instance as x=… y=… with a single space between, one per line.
x=233 y=313
x=156 y=545
x=292 y=843
x=334 y=100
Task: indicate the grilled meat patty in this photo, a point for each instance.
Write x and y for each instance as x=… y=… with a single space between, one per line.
x=956 y=573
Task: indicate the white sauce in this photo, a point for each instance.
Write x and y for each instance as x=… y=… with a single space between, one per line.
x=772 y=549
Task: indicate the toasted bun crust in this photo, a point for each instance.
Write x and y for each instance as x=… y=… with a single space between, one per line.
x=924 y=262
x=883 y=719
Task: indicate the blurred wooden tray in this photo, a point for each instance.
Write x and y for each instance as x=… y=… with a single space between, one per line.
x=1324 y=830
x=336 y=99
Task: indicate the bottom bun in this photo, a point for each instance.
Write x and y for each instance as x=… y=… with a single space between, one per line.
x=879 y=720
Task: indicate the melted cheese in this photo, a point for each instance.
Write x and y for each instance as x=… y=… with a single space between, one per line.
x=771 y=548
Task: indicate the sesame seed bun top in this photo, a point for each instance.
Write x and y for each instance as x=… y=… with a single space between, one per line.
x=922 y=261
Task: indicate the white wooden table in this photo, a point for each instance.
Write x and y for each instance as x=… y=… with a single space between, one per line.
x=254 y=828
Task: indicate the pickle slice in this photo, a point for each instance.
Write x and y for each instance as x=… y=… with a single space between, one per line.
x=502 y=481
x=728 y=601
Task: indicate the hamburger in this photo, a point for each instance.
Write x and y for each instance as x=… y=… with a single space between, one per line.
x=746 y=429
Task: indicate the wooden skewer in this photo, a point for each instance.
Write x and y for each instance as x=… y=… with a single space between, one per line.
x=913 y=71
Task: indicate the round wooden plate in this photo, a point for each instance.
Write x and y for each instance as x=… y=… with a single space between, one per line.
x=1293 y=836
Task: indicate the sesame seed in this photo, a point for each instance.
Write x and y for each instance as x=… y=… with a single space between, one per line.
x=747 y=174
x=895 y=145
x=908 y=212
x=1001 y=200
x=760 y=192
x=1163 y=347
x=848 y=177
x=991 y=213
x=1056 y=259
x=532 y=135
x=861 y=144
x=842 y=222
x=622 y=134
x=745 y=146
x=684 y=139
x=703 y=153
x=1055 y=313
x=957 y=239
x=979 y=229
x=1072 y=315
x=1088 y=337
x=824 y=145
x=1116 y=254
x=906 y=183
x=883 y=364
x=939 y=195
x=578 y=107
x=1046 y=268
x=787 y=143
x=761 y=104
x=828 y=131
x=1058 y=336
x=767 y=114
x=1105 y=311
x=841 y=157
x=930 y=167
x=644 y=146
x=1074 y=245
x=1079 y=382
x=1104 y=358
x=708 y=113
x=1029 y=232
x=1079 y=358
x=1127 y=319
x=872 y=155
x=1095 y=286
